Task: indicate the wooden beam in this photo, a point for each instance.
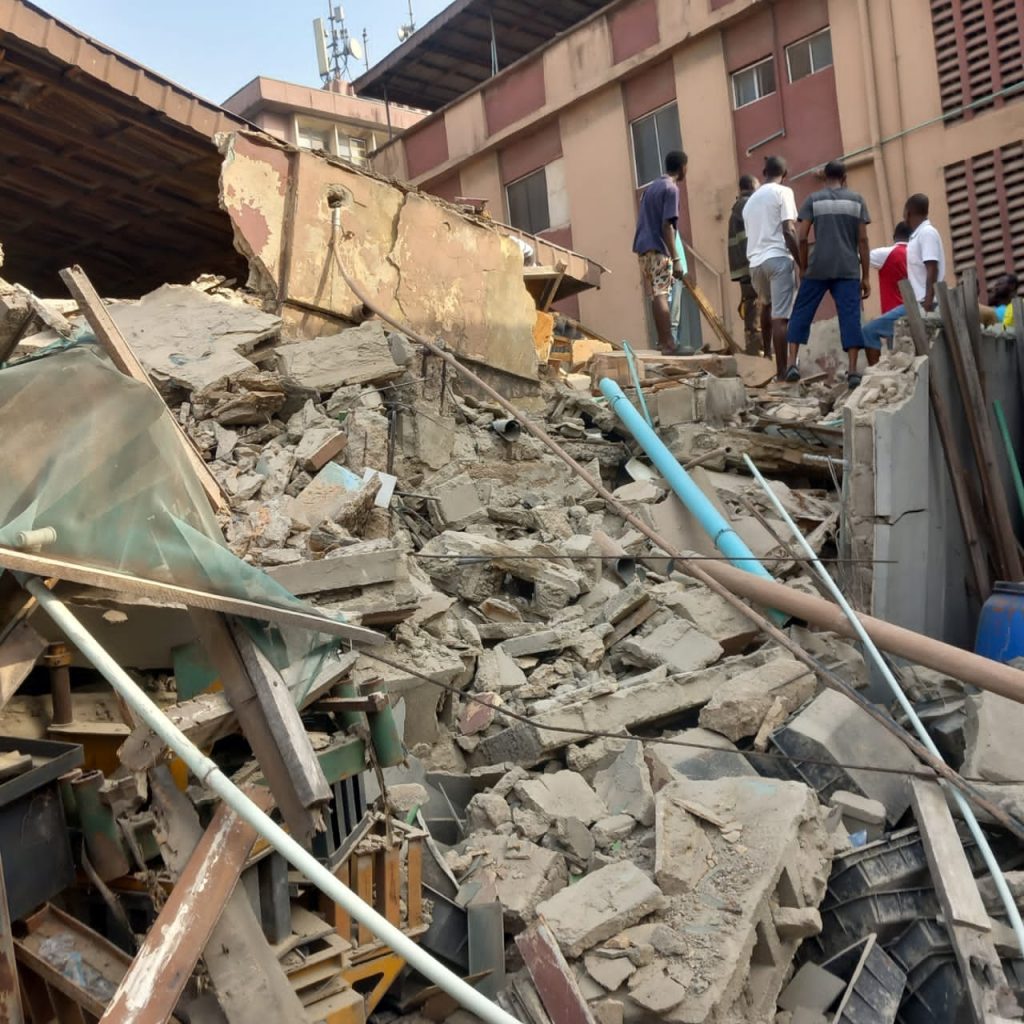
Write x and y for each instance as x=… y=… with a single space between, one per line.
x=170 y=593
x=954 y=464
x=553 y=977
x=989 y=993
x=976 y=410
x=248 y=979
x=150 y=990
x=116 y=346
x=297 y=796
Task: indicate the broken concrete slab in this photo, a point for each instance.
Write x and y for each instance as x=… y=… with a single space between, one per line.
x=677 y=644
x=524 y=874
x=458 y=502
x=609 y=831
x=486 y=812
x=600 y=905
x=711 y=614
x=739 y=707
x=796 y=923
x=608 y=971
x=358 y=355
x=625 y=786
x=992 y=734
x=668 y=762
x=561 y=795
x=832 y=727
x=683 y=853
x=496 y=671
x=859 y=813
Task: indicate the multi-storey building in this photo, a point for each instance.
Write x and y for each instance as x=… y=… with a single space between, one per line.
x=559 y=114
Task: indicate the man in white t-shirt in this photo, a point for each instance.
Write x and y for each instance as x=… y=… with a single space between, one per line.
x=769 y=218
x=926 y=267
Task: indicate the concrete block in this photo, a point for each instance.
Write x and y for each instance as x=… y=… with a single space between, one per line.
x=600 y=905
x=608 y=972
x=683 y=853
x=668 y=762
x=561 y=795
x=359 y=355
x=677 y=644
x=654 y=990
x=486 y=811
x=496 y=671
x=525 y=875
x=739 y=707
x=590 y=758
x=676 y=405
x=724 y=398
x=858 y=808
x=625 y=786
x=458 y=502
x=794 y=924
x=611 y=830
x=832 y=726
x=711 y=614
x=992 y=735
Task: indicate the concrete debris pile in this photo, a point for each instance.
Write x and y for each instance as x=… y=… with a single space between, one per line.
x=554 y=760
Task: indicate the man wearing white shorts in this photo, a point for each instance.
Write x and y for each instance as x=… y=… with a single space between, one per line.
x=769 y=217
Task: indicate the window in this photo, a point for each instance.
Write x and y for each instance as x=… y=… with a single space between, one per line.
x=654 y=137
x=352 y=149
x=977 y=49
x=528 y=203
x=809 y=55
x=313 y=136
x=753 y=83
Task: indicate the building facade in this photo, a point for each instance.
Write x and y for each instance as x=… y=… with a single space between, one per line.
x=917 y=95
x=332 y=119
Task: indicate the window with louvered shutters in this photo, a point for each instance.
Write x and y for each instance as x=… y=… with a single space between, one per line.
x=985 y=198
x=977 y=45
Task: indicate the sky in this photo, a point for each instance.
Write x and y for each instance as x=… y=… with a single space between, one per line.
x=214 y=47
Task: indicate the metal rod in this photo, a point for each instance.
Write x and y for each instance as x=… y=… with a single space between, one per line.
x=908 y=709
x=209 y=775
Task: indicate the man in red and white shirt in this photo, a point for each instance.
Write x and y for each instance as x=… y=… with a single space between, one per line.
x=891 y=263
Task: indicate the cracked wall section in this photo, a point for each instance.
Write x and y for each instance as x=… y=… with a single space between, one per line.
x=295 y=214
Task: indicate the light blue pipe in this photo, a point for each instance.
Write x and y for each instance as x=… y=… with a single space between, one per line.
x=724 y=536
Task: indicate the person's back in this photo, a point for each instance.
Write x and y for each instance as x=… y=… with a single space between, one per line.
x=739 y=266
x=659 y=203
x=837 y=215
x=763 y=216
x=892 y=271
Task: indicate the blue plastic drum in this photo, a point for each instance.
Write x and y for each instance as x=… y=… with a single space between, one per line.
x=1001 y=624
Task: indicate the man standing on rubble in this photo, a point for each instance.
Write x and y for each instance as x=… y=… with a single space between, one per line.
x=839 y=265
x=769 y=217
x=655 y=244
x=739 y=268
x=926 y=267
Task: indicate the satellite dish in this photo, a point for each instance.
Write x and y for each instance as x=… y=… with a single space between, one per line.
x=320 y=40
x=404 y=32
x=354 y=48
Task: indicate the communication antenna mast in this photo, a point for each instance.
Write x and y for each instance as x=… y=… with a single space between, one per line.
x=408 y=28
x=334 y=46
x=366 y=50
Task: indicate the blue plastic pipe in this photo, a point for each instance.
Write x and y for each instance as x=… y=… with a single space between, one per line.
x=724 y=536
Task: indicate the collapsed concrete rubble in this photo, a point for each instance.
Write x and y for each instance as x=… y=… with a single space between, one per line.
x=568 y=770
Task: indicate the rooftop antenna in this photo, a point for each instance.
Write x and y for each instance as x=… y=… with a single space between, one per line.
x=366 y=50
x=334 y=46
x=408 y=28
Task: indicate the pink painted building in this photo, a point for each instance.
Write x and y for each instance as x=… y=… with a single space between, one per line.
x=558 y=115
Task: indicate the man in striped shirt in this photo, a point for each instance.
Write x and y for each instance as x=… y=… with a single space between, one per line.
x=838 y=264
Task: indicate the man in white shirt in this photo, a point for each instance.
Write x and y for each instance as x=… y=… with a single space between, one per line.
x=926 y=267
x=769 y=218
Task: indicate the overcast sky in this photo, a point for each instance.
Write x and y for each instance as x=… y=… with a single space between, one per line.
x=213 y=47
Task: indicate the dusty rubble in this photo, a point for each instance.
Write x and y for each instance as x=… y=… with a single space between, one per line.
x=616 y=757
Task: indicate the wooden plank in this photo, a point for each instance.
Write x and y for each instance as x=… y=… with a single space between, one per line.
x=388 y=873
x=362 y=866
x=210 y=717
x=108 y=334
x=554 y=979
x=215 y=636
x=247 y=977
x=976 y=408
x=18 y=656
x=957 y=473
x=339 y=572
x=630 y=623
x=284 y=720
x=153 y=984
x=713 y=319
x=170 y=593
x=328 y=450
x=989 y=994
x=334 y=913
x=414 y=883
x=10 y=996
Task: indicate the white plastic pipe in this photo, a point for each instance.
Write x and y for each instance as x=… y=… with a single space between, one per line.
x=211 y=776
x=922 y=733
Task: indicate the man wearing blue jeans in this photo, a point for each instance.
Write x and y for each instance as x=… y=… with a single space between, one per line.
x=926 y=267
x=838 y=265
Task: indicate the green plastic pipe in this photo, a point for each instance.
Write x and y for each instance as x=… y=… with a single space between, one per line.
x=1011 y=455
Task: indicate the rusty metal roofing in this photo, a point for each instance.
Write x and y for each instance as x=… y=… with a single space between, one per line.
x=451 y=54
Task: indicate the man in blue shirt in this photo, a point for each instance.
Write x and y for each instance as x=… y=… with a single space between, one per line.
x=655 y=243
